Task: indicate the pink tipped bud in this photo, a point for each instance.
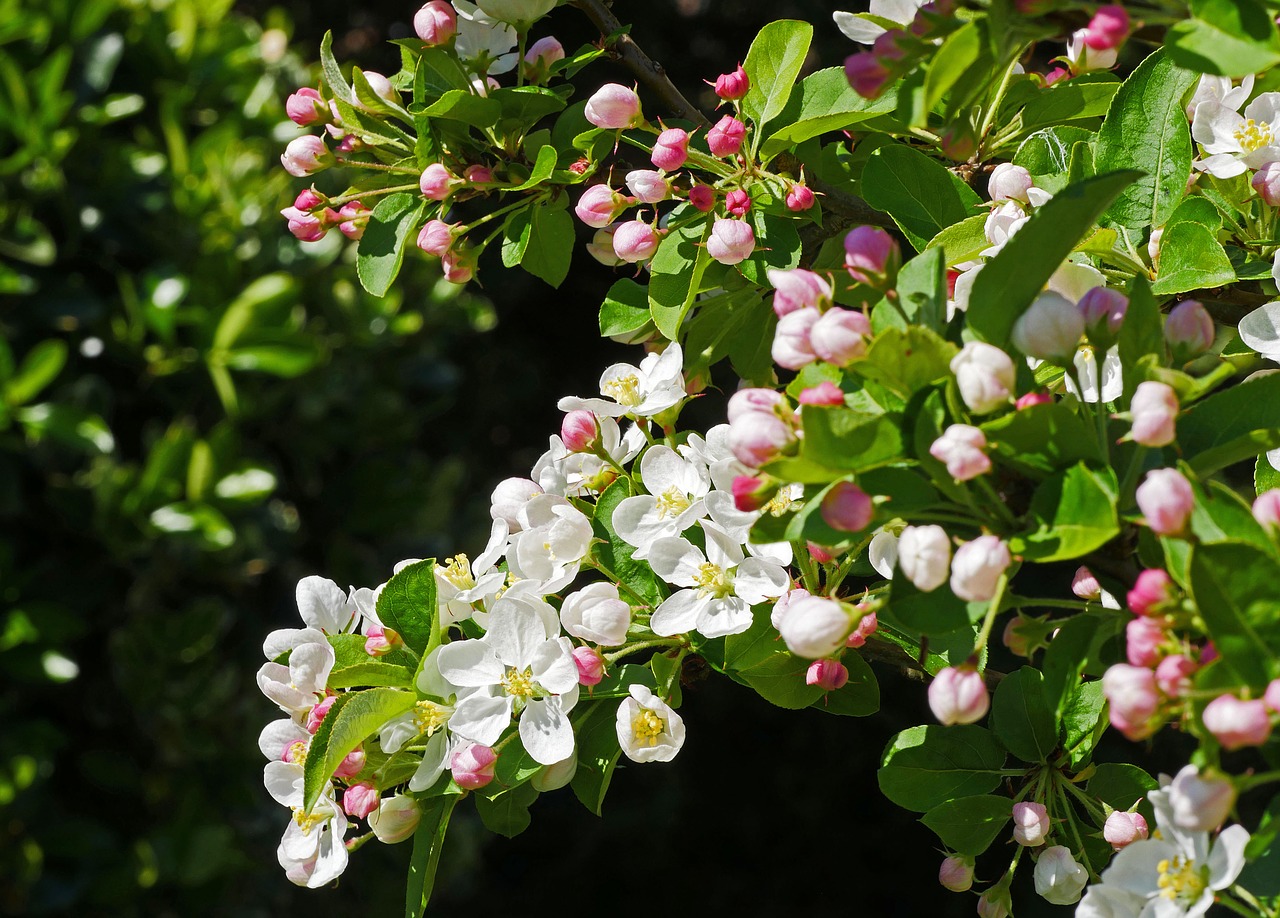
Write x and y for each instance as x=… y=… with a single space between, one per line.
x=671 y=149
x=648 y=186
x=870 y=255
x=1144 y=641
x=985 y=376
x=791 y=343
x=840 y=336
x=867 y=626
x=733 y=86
x=866 y=73
x=590 y=665
x=472 y=766
x=1123 y=829
x=797 y=288
x=1103 y=310
x=758 y=437
x=958 y=144
x=1266 y=510
x=1085 y=585
x=962 y=448
x=459 y=266
x=1050 y=329
x=381 y=86
x=702 y=197
x=1166 y=500
x=1155 y=410
x=306 y=106
x=751 y=493
x=1055 y=75
x=379 y=640
x=800 y=198
x=352 y=765
x=1031 y=399
x=847 y=507
x=956 y=873
x=360 y=800
x=599 y=205
x=635 y=241
x=579 y=431
x=437 y=182
x=478 y=175
x=1009 y=183
x=1237 y=724
x=815 y=627
x=316 y=715
x=825 y=394
x=958 y=695
x=541 y=55
x=309 y=199
x=828 y=675
x=1173 y=675
x=726 y=136
x=305 y=155
x=1189 y=330
x=731 y=241
x=1108 y=28
x=1272 y=696
x=1266 y=181
x=977 y=567
x=614 y=107
x=436 y=237
x=436 y=23
x=1030 y=823
x=1153 y=591
x=1134 y=699
x=355 y=216
x=924 y=556
x=305 y=227
x=737 y=202
x=819 y=554
x=1016 y=638
x=601 y=247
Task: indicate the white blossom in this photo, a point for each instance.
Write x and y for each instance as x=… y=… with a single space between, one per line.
x=648 y=729
x=1235 y=142
x=677 y=488
x=643 y=391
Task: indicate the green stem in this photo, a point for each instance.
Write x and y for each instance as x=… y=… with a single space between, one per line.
x=1001 y=510
x=989 y=118
x=1238 y=907
x=643 y=645
x=1022 y=602
x=992 y=610
x=1075 y=830
x=808 y=569
x=376 y=167
x=521 y=37
x=1251 y=781
x=1131 y=477
x=1102 y=409
x=359 y=195
x=1089 y=803
x=842 y=570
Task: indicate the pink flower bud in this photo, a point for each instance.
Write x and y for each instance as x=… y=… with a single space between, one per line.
x=726 y=136
x=737 y=202
x=614 y=107
x=1050 y=329
x=994 y=903
x=1155 y=409
x=840 y=336
x=379 y=640
x=436 y=237
x=1009 y=183
x=870 y=255
x=958 y=696
x=815 y=627
x=306 y=106
x=791 y=339
x=733 y=86
x=985 y=376
x=590 y=665
x=1272 y=696
x=977 y=566
x=1266 y=181
x=579 y=431
x=1103 y=310
x=437 y=182
x=819 y=554
x=1237 y=724
x=1199 y=804
x=306 y=227
x=1165 y=499
x=702 y=197
x=601 y=246
x=436 y=23
x=1131 y=690
x=360 y=800
x=1123 y=828
x=305 y=155
x=1144 y=638
x=750 y=493
x=459 y=267
x=958 y=144
x=352 y=765
x=1016 y=638
x=924 y=556
x=731 y=241
x=395 y=819
x=541 y=55
x=1173 y=675
x=355 y=216
x=478 y=175
x=799 y=198
x=746 y=401
x=1153 y=590
x=797 y=288
x=635 y=241
x=828 y=675
x=1030 y=823
x=847 y=507
x=1108 y=28
x=671 y=149
x=1189 y=330
x=1266 y=510
x=868 y=625
x=782 y=607
x=472 y=765
x=1055 y=75
x=648 y=186
x=758 y=438
x=316 y=715
x=866 y=73
x=1031 y=399
x=962 y=449
x=381 y=86
x=825 y=394
x=309 y=199
x=956 y=873
x=1085 y=585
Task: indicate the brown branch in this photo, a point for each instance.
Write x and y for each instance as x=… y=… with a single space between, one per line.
x=892 y=655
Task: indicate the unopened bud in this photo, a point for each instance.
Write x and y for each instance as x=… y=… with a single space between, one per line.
x=829 y=675
x=725 y=136
x=472 y=765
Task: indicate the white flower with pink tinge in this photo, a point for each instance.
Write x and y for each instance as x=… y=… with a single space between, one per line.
x=721 y=586
x=676 y=500
x=311 y=850
x=643 y=391
x=297 y=686
x=576 y=474
x=555 y=536
x=1235 y=142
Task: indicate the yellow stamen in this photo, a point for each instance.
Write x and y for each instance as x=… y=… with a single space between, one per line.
x=307 y=823
x=673 y=502
x=519 y=683
x=458 y=572
x=1181 y=879
x=1254 y=135
x=625 y=390
x=713 y=580
x=647 y=727
x=430 y=716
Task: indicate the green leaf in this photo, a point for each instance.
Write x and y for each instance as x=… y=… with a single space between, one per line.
x=909 y=361
x=525 y=106
x=921 y=196
x=625 y=308
x=543 y=166
x=922 y=290
x=615 y=554
x=1082 y=98
x=859 y=697
x=1234 y=586
x=598 y=754
x=1042 y=439
x=1121 y=785
x=1010 y=281
x=1225 y=37
x=928 y=765
x=957 y=57
x=1146 y=129
x=465 y=106
x=773 y=63
x=1229 y=414
x=1066 y=657
x=382 y=247
x=1046 y=154
x=539 y=238
x=1074 y=512
x=428 y=842
x=757 y=659
x=676 y=273
x=286 y=360
x=1022 y=719
x=1265 y=476
x=1084 y=721
x=821 y=102
x=1141 y=336
x=847 y=439
x=407 y=604
x=968 y=825
x=259 y=304
x=40 y=367
x=1191 y=258
x=352 y=718
x=731 y=324
x=66 y=425
x=963 y=241
x=777 y=246
x=507 y=813
x=200 y=521
x=937 y=612
x=333 y=77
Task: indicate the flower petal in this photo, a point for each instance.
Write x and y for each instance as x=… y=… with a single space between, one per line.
x=470 y=663
x=481 y=718
x=1260 y=330
x=433 y=759
x=1226 y=858
x=678 y=613
x=546 y=732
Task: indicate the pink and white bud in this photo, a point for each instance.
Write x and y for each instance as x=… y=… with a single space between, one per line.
x=751 y=493
x=1108 y=28
x=596 y=613
x=956 y=873
x=1031 y=399
x=1015 y=637
x=437 y=182
x=381 y=86
x=1199 y=804
x=1173 y=675
x=995 y=903
x=590 y=665
x=305 y=107
x=825 y=394
x=509 y=498
x=614 y=107
x=352 y=765
x=1030 y=823
x=725 y=136
x=1272 y=695
x=395 y=820
x=436 y=23
x=760 y=437
x=1134 y=699
x=819 y=554
x=305 y=155
x=1122 y=829
x=458 y=267
x=1103 y=310
x=782 y=607
x=359 y=800
x=815 y=627
x=1166 y=500
x=472 y=765
x=436 y=237
x=355 y=216
x=635 y=241
x=579 y=431
x=977 y=567
x=828 y=675
x=305 y=227
x=868 y=625
x=1266 y=181
x=985 y=376
x=1059 y=880
x=478 y=175
x=737 y=202
x=541 y=55
x=924 y=556
x=1189 y=330
x=1237 y=724
x=866 y=73
x=840 y=336
x=733 y=86
x=871 y=255
x=1266 y=510
x=1009 y=183
x=962 y=448
x=379 y=641
x=1085 y=585
x=555 y=776
x=1144 y=640
x=958 y=695
x=747 y=401
x=1155 y=411
x=799 y=198
x=601 y=247
x=792 y=347
x=703 y=198
x=671 y=149
x=731 y=241
x=648 y=186
x=797 y=288
x=847 y=508
x=1152 y=592
x=316 y=715
x=1050 y=329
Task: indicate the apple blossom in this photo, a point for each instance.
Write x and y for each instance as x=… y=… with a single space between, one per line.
x=1083 y=58
x=825 y=393
x=1009 y=183
x=798 y=288
x=924 y=555
x=1236 y=143
x=541 y=55
x=579 y=431
x=731 y=241
x=958 y=695
x=962 y=449
x=654 y=386
x=871 y=255
x=472 y=765
x=647 y=727
x=305 y=106
x=614 y=107
x=437 y=182
x=1155 y=409
x=814 y=627
x=1166 y=500
x=868 y=625
x=1030 y=824
x=1195 y=803
x=676 y=499
x=702 y=197
x=459 y=267
x=648 y=186
x=1237 y=724
x=1122 y=829
x=671 y=149
x=395 y=819
x=840 y=336
x=985 y=376
x=1144 y=639
x=1189 y=330
x=866 y=73
x=792 y=346
x=737 y=202
x=599 y=205
x=1050 y=329
x=847 y=507
x=554 y=777
x=1266 y=510
x=733 y=86
x=1173 y=675
x=1151 y=593
x=725 y=137
x=435 y=23
x=1260 y=329
x=359 y=800
x=799 y=198
x=956 y=873
x=1103 y=310
x=977 y=567
x=1085 y=585
x=590 y=665
x=1059 y=880
x=305 y=155
x=1132 y=692
x=1108 y=28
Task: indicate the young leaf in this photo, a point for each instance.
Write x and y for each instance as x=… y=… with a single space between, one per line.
x=407 y=604
x=968 y=825
x=1234 y=588
x=540 y=239
x=773 y=63
x=428 y=842
x=821 y=102
x=382 y=247
x=1021 y=717
x=1191 y=258
x=676 y=273
x=928 y=765
x=507 y=813
x=352 y=718
x=1225 y=37
x=921 y=196
x=625 y=308
x=598 y=754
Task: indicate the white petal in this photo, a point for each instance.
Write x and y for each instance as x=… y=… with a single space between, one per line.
x=856 y=28
x=594 y=405
x=515 y=634
x=757 y=580
x=309 y=666
x=883 y=553
x=470 y=663
x=637 y=522
x=1102 y=901
x=1134 y=867
x=433 y=759
x=721 y=617
x=676 y=560
x=546 y=732
x=286 y=639
x=481 y=718
x=323 y=604
x=722 y=549
x=1226 y=858
x=1215 y=127
x=1221 y=165
x=1073 y=281
x=678 y=613
x=284 y=782
x=553 y=667
x=1265 y=108
x=279 y=735
x=331 y=857
x=1260 y=330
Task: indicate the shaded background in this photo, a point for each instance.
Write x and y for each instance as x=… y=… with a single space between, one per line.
x=212 y=437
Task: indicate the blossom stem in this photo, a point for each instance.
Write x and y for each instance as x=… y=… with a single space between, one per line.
x=1101 y=410
x=1252 y=900
x=808 y=570
x=992 y=611
x=358 y=195
x=521 y=38
x=1022 y=602
x=989 y=119
x=842 y=569
x=1251 y=781
x=1070 y=815
x=642 y=645
x=377 y=167
x=1238 y=907
x=1089 y=803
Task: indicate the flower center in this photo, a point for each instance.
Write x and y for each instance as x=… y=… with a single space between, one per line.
x=296 y=753
x=673 y=502
x=1180 y=879
x=519 y=683
x=713 y=580
x=646 y=727
x=307 y=823
x=430 y=716
x=1253 y=135
x=458 y=572
x=625 y=390
x=780 y=503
